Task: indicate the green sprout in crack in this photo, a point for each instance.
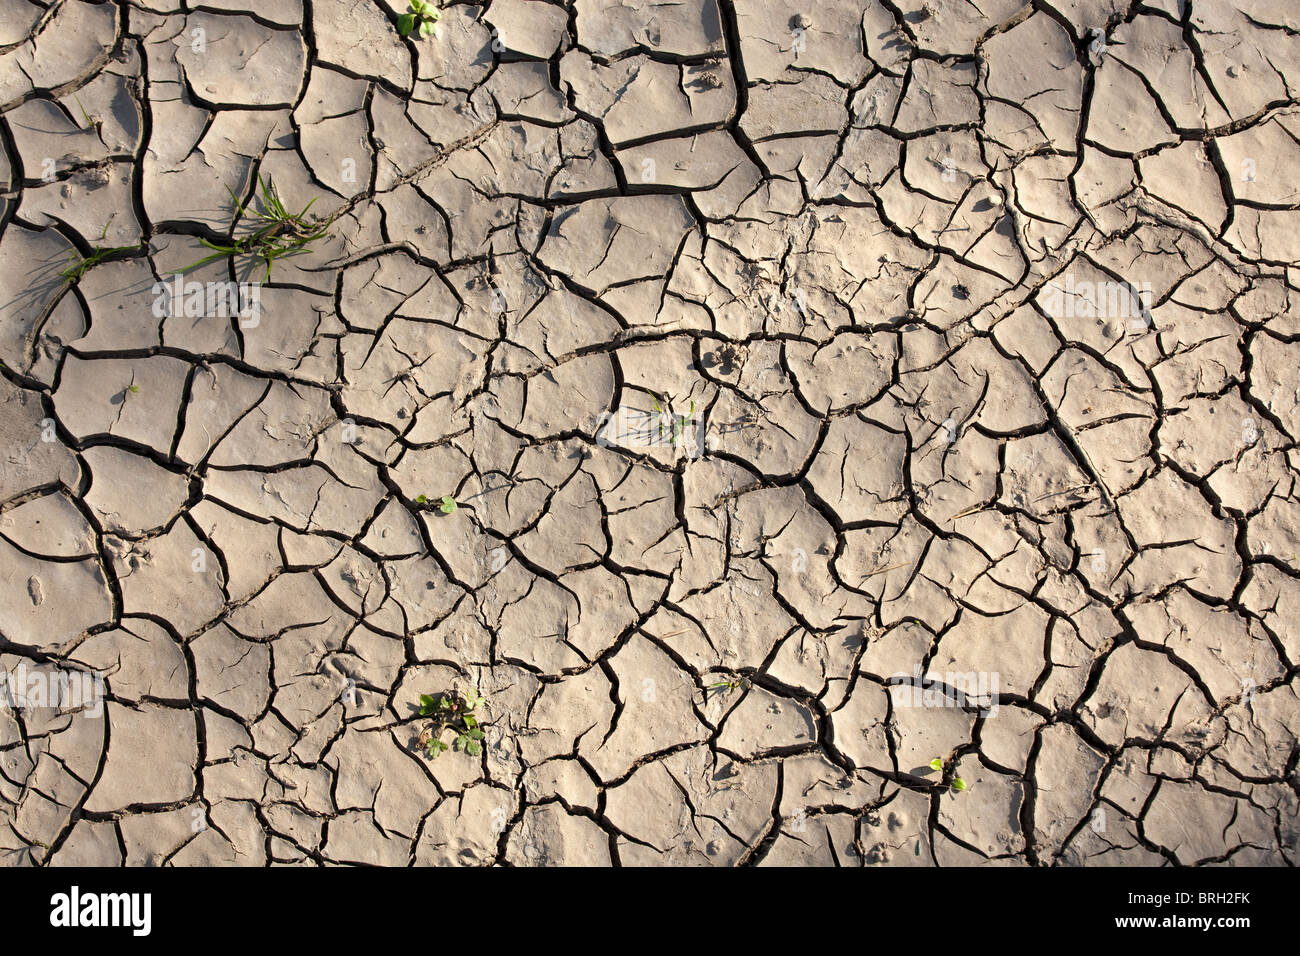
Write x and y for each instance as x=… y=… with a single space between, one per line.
x=131 y=389
x=79 y=265
x=421 y=15
x=282 y=233
x=958 y=784
x=676 y=422
x=725 y=686
x=91 y=123
x=452 y=714
x=446 y=504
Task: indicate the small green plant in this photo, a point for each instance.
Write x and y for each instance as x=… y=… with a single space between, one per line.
x=421 y=15
x=79 y=265
x=91 y=123
x=958 y=784
x=725 y=686
x=452 y=714
x=446 y=504
x=676 y=422
x=131 y=389
x=282 y=234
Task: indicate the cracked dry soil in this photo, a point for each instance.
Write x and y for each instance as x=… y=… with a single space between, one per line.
x=975 y=333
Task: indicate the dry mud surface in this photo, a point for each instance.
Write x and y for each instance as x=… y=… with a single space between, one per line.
x=973 y=335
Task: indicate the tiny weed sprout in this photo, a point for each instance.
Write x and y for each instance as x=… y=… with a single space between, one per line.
x=676 y=422
x=421 y=15
x=958 y=784
x=90 y=122
x=282 y=234
x=79 y=265
x=724 y=686
x=446 y=504
x=133 y=389
x=451 y=715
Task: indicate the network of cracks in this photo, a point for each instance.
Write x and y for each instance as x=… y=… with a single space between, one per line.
x=852 y=434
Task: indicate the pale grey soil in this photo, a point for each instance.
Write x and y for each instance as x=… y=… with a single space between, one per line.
x=800 y=349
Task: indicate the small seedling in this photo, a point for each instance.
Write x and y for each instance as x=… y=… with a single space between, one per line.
x=90 y=123
x=446 y=504
x=283 y=234
x=452 y=712
x=79 y=265
x=958 y=784
x=722 y=687
x=676 y=422
x=131 y=389
x=421 y=15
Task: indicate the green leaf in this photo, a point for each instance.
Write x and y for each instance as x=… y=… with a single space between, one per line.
x=406 y=23
x=958 y=783
x=448 y=504
x=133 y=388
x=473 y=748
x=470 y=722
x=426 y=28
x=474 y=734
x=936 y=764
x=421 y=499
